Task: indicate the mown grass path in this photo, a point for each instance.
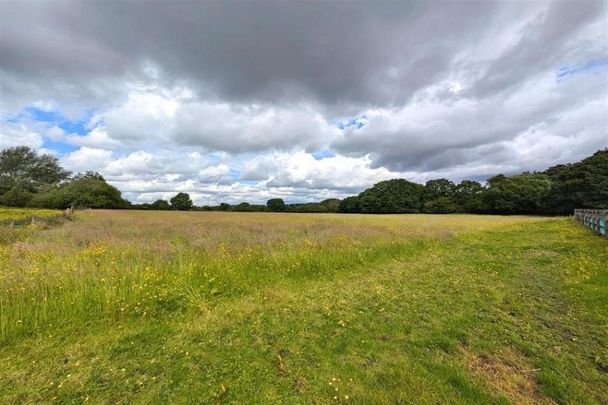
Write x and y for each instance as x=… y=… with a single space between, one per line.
x=515 y=312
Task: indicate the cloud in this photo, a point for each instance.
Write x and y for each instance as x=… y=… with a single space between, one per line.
x=86 y=159
x=219 y=98
x=434 y=134
x=157 y=115
x=377 y=53
x=302 y=170
x=18 y=134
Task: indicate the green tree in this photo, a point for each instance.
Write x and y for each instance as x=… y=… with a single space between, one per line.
x=439 y=188
x=243 y=207
x=84 y=190
x=524 y=193
x=392 y=196
x=89 y=175
x=181 y=202
x=162 y=205
x=438 y=195
x=440 y=205
x=467 y=196
x=21 y=166
x=276 y=204
x=582 y=184
x=16 y=197
x=332 y=204
x=350 y=205
x=308 y=207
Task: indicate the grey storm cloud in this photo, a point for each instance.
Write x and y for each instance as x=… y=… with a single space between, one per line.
x=355 y=54
x=440 y=87
x=363 y=53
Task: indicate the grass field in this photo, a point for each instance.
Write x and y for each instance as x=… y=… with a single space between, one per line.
x=149 y=307
x=19 y=215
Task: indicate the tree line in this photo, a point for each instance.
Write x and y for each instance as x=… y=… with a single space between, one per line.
x=556 y=191
x=29 y=179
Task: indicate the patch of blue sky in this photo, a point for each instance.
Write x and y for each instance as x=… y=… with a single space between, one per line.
x=324 y=154
x=234 y=173
x=352 y=122
x=54 y=118
x=61 y=148
x=567 y=72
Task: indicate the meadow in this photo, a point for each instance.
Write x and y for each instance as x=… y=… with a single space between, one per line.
x=205 y=307
x=21 y=215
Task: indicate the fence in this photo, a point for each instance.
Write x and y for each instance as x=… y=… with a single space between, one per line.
x=593 y=219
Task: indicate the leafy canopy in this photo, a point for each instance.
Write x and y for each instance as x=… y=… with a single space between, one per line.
x=276 y=204
x=85 y=190
x=23 y=167
x=181 y=202
x=392 y=196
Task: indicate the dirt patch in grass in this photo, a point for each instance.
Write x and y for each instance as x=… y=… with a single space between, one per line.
x=507 y=373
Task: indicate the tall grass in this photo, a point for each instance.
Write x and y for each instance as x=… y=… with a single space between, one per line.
x=21 y=215
x=115 y=265
x=158 y=307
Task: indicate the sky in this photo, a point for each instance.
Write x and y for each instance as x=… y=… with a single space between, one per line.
x=302 y=100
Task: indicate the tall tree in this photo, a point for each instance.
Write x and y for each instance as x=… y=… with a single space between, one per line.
x=438 y=197
x=439 y=188
x=276 y=204
x=392 y=196
x=181 y=202
x=582 y=184
x=23 y=167
x=350 y=205
x=523 y=193
x=332 y=204
x=468 y=196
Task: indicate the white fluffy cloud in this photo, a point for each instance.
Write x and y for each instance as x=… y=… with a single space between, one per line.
x=16 y=134
x=157 y=115
x=302 y=170
x=87 y=159
x=296 y=176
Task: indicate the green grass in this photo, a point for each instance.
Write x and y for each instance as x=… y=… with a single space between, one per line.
x=206 y=307
x=26 y=220
x=21 y=215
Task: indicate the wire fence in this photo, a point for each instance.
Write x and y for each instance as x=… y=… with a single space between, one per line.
x=593 y=219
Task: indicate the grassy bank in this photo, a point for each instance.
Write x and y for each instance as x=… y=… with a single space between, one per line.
x=200 y=307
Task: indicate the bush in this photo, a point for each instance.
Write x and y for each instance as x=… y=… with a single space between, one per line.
x=16 y=197
x=90 y=191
